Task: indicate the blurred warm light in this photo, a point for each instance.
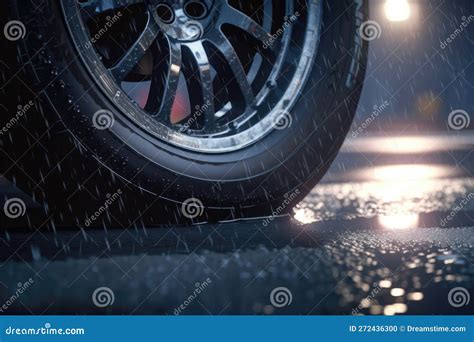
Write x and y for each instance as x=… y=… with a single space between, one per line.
x=404 y=172
x=406 y=145
x=410 y=144
x=415 y=296
x=396 y=183
x=393 y=309
x=304 y=215
x=397 y=292
x=397 y=10
x=409 y=172
x=399 y=221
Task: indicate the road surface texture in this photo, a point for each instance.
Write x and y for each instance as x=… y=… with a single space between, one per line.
x=388 y=231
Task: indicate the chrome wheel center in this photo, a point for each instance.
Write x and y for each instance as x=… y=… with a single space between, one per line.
x=178 y=23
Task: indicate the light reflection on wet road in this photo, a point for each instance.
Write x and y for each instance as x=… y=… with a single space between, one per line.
x=389 y=239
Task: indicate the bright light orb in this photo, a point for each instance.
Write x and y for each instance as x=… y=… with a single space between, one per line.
x=399 y=221
x=397 y=10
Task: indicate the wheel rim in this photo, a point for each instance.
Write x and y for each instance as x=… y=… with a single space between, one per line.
x=208 y=76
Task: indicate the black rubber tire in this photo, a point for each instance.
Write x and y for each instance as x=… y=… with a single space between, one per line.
x=52 y=153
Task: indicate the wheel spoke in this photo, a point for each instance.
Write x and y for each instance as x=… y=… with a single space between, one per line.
x=220 y=41
x=126 y=64
x=237 y=18
x=171 y=83
x=201 y=62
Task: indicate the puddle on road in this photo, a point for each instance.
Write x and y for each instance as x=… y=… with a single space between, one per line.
x=396 y=202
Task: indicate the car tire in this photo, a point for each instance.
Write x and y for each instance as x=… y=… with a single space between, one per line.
x=122 y=177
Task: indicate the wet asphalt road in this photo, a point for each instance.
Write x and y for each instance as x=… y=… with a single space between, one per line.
x=372 y=238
